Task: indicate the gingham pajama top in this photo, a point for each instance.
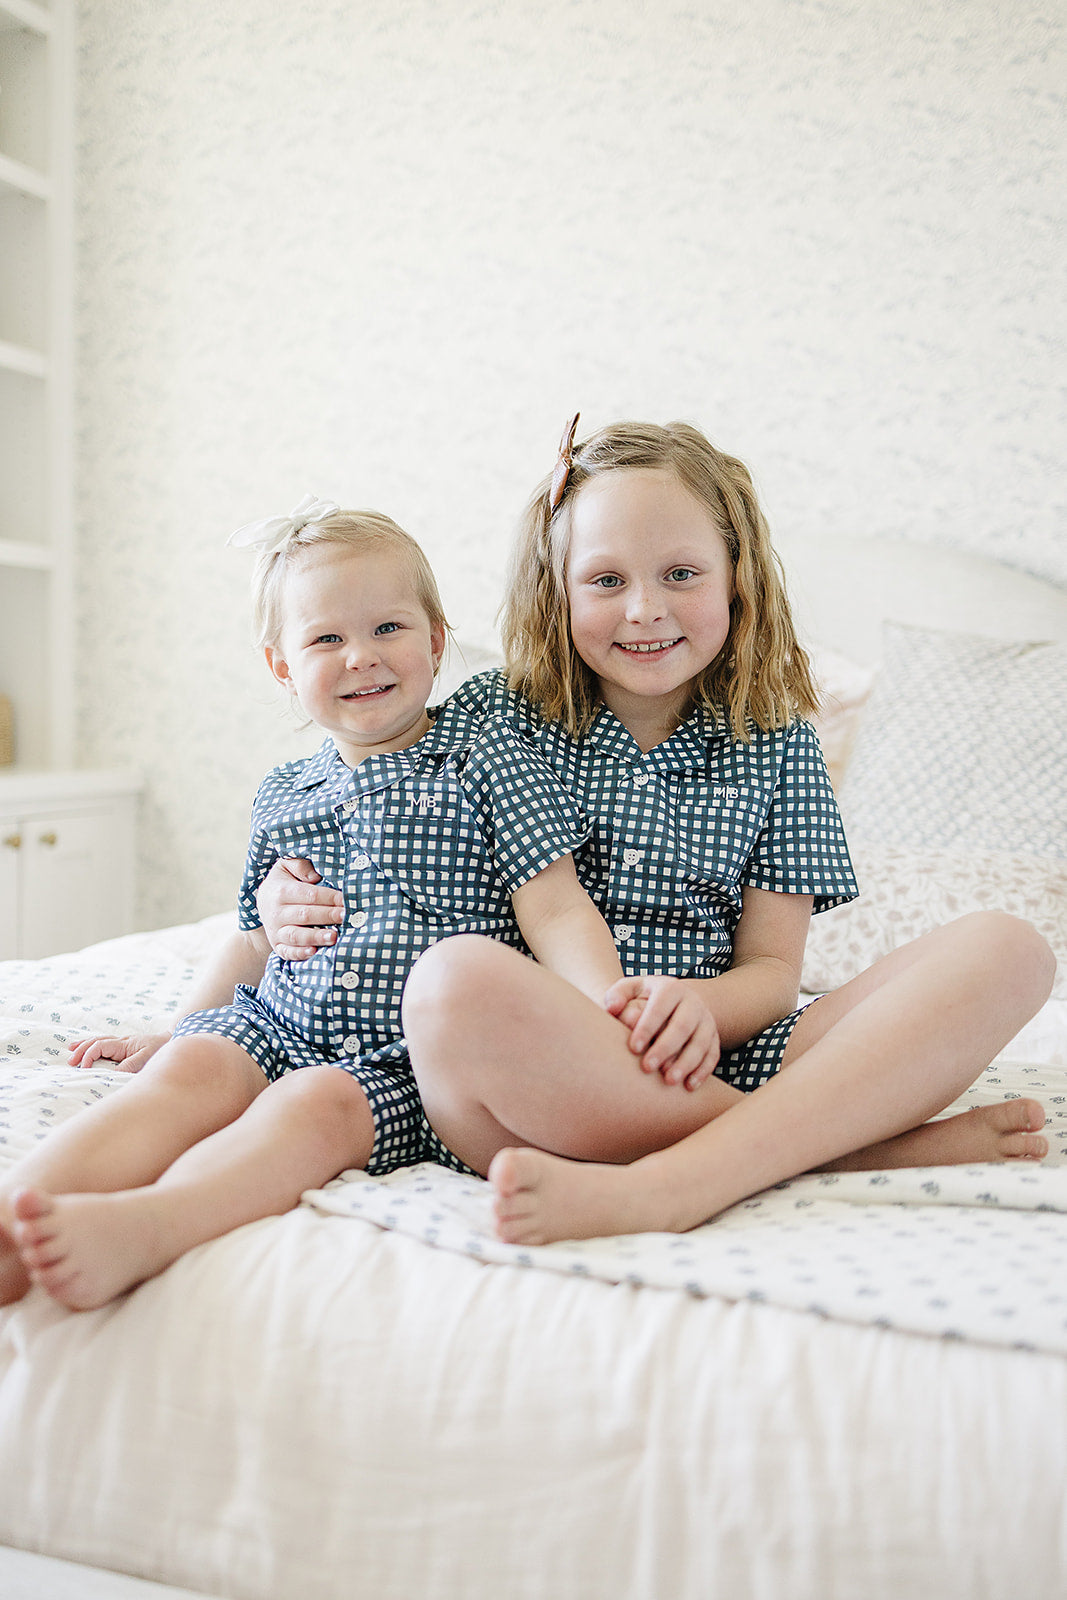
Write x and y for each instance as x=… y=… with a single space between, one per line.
x=680 y=830
x=423 y=843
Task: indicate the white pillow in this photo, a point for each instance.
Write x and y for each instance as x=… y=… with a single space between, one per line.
x=905 y=893
x=844 y=686
x=962 y=746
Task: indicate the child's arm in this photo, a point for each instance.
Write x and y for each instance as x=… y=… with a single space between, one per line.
x=760 y=986
x=565 y=930
x=568 y=935
x=241 y=959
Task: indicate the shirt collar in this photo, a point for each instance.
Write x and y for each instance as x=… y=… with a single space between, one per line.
x=686 y=750
x=324 y=765
x=453 y=729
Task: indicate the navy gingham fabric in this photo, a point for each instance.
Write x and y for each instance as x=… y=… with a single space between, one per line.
x=402 y=1135
x=759 y=1058
x=680 y=830
x=424 y=843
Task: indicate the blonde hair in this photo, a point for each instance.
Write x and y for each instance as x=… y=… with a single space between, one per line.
x=361 y=531
x=761 y=676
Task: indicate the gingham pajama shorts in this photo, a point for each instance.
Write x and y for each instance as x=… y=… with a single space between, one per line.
x=752 y=1063
x=402 y=1135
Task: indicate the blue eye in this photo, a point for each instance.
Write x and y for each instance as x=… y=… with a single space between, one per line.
x=328 y=638
x=680 y=574
x=387 y=627
x=608 y=581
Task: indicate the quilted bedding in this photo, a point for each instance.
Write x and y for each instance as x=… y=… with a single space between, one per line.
x=848 y=1387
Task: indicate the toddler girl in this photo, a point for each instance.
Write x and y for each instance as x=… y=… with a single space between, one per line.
x=428 y=825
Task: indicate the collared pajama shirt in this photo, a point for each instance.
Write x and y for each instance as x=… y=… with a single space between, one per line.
x=678 y=831
x=423 y=843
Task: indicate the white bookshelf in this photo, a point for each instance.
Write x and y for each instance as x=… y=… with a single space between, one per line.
x=36 y=363
x=66 y=836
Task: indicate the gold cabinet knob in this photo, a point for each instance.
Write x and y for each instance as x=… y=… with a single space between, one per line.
x=49 y=838
x=13 y=841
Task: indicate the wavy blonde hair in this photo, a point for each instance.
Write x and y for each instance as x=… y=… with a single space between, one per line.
x=361 y=531
x=761 y=677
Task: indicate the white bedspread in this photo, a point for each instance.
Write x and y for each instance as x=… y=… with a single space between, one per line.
x=320 y=1405
x=976 y=1253
x=954 y=1252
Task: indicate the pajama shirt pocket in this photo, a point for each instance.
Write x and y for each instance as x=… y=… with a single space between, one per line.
x=429 y=843
x=717 y=833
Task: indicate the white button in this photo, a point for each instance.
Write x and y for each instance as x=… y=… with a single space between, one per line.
x=360 y=861
x=350 y=980
x=641 y=778
x=357 y=919
x=350 y=806
x=351 y=1046
x=630 y=858
x=624 y=934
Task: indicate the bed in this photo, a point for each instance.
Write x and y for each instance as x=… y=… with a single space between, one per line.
x=843 y=1387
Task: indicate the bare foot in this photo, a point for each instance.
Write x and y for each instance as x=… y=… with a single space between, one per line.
x=85 y=1249
x=538 y=1198
x=1008 y=1131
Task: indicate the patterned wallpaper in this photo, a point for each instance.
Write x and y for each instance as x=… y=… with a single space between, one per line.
x=381 y=250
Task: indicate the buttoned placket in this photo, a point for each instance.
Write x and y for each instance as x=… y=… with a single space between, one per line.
x=635 y=813
x=632 y=854
x=350 y=979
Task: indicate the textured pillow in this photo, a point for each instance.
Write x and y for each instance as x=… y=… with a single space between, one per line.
x=905 y=893
x=962 y=745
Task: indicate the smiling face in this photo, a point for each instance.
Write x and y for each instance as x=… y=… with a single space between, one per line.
x=357 y=648
x=649 y=584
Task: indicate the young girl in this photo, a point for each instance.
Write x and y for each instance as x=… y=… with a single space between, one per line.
x=651 y=657
x=429 y=826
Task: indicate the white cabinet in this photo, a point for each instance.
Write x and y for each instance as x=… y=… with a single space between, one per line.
x=66 y=860
x=36 y=299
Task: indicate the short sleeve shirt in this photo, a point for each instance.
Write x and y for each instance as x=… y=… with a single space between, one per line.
x=678 y=832
x=423 y=843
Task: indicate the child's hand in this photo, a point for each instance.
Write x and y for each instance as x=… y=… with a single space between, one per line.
x=296 y=908
x=125 y=1055
x=671 y=1028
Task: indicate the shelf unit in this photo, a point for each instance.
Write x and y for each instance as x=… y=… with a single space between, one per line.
x=36 y=377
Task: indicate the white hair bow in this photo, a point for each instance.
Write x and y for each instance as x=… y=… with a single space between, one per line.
x=273 y=533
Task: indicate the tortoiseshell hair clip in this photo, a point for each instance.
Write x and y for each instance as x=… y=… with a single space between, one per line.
x=564 y=462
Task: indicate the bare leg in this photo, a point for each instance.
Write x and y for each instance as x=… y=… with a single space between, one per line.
x=540 y=1197
x=189 y=1089
x=505 y=1052
x=867 y=1064
x=301 y=1132
x=1000 y=1132
x=1007 y=1131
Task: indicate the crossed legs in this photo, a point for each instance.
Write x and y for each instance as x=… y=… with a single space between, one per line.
x=529 y=1083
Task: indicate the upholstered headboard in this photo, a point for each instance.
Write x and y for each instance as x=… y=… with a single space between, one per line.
x=843 y=589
